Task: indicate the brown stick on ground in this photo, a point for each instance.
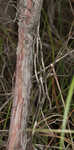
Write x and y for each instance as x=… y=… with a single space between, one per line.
x=29 y=16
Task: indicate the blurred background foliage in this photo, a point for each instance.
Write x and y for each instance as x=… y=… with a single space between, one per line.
x=53 y=70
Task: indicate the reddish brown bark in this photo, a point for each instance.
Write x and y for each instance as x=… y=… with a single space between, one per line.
x=29 y=16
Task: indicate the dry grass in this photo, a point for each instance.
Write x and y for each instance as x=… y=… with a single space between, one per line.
x=52 y=74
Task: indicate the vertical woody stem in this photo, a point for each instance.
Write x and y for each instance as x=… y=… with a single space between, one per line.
x=29 y=17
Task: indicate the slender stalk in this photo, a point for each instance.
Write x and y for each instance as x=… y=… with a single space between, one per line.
x=68 y=101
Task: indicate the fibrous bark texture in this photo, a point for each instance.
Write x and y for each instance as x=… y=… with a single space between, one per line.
x=29 y=17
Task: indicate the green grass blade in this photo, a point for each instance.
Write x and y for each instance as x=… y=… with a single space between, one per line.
x=68 y=101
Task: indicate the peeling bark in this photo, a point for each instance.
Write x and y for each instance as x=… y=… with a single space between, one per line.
x=29 y=17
